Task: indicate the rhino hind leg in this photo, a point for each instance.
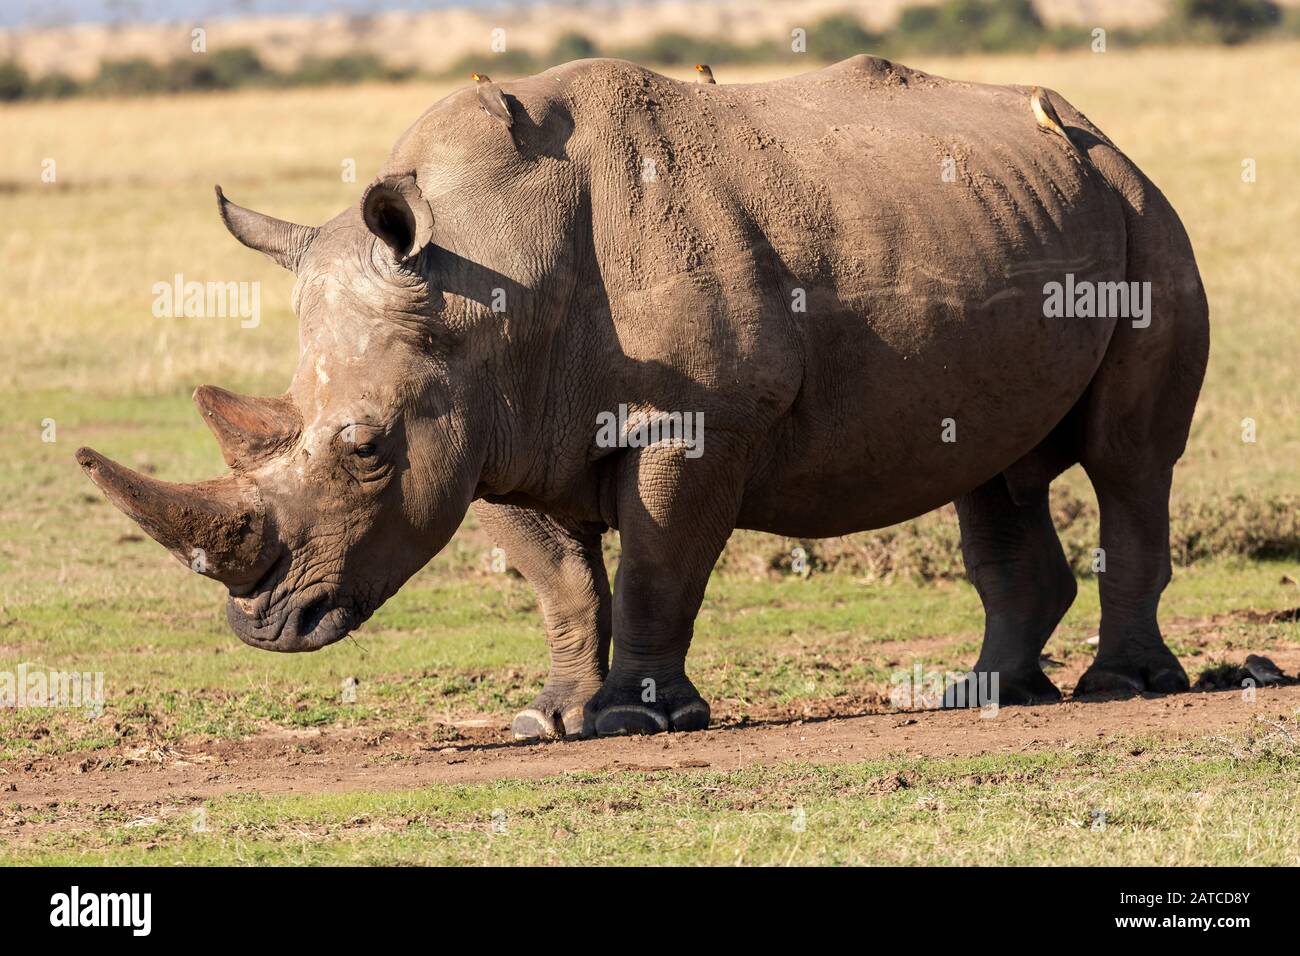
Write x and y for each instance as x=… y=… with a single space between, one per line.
x=563 y=563
x=1014 y=559
x=1138 y=415
x=1136 y=418
x=1132 y=656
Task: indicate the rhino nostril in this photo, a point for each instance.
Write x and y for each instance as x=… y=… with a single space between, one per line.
x=312 y=615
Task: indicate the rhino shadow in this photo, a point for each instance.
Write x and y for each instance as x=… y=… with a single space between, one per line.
x=449 y=272
x=549 y=138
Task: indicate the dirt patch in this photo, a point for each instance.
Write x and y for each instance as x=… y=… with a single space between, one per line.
x=149 y=772
x=319 y=761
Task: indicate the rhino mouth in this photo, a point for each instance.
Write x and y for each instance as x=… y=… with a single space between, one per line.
x=272 y=617
x=305 y=622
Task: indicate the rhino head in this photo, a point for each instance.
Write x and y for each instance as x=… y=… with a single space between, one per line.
x=342 y=488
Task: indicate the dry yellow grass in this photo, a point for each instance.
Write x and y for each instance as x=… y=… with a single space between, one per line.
x=133 y=205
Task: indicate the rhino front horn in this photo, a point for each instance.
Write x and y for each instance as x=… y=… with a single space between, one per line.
x=216 y=527
x=248 y=429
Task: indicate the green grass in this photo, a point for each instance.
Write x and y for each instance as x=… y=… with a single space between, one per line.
x=1222 y=802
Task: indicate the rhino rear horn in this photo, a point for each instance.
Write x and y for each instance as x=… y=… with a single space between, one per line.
x=248 y=429
x=285 y=242
x=396 y=211
x=216 y=527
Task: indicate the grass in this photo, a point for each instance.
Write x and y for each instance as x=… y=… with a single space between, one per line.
x=1220 y=802
x=81 y=589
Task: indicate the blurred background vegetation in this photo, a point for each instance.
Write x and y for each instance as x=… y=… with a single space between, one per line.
x=948 y=28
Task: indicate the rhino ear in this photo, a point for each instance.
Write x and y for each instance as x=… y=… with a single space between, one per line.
x=285 y=242
x=396 y=211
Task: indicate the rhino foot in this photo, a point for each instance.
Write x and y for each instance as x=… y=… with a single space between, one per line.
x=1156 y=671
x=554 y=713
x=620 y=710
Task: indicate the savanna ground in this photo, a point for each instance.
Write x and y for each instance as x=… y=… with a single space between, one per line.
x=209 y=751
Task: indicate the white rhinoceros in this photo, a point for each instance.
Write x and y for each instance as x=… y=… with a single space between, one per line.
x=871 y=291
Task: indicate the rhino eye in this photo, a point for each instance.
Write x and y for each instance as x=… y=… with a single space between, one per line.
x=365 y=451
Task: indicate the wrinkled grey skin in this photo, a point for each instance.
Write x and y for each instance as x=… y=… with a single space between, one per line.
x=649 y=242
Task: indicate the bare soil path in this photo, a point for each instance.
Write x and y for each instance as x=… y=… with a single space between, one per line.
x=824 y=731
x=318 y=761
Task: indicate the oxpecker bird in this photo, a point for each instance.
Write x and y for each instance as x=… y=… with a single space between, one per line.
x=705 y=74
x=1045 y=113
x=493 y=102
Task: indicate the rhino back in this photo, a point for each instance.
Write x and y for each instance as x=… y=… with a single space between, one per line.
x=676 y=230
x=922 y=295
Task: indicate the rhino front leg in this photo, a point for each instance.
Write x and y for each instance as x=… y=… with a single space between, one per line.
x=563 y=563
x=674 y=516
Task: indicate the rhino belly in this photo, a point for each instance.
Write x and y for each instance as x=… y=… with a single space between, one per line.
x=907 y=404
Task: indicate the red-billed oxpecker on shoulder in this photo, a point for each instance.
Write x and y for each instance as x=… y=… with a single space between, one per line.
x=493 y=102
x=1045 y=113
x=704 y=74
